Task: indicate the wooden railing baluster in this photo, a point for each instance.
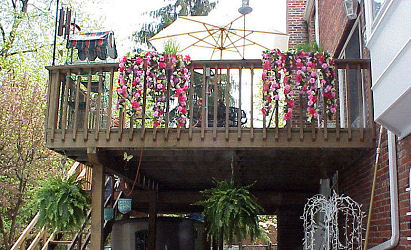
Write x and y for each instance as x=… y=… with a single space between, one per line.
x=86 y=115
x=227 y=104
x=98 y=113
x=252 y=103
x=76 y=104
x=204 y=110
x=110 y=105
x=277 y=122
x=301 y=119
x=64 y=121
x=143 y=115
x=216 y=83
x=121 y=124
x=325 y=118
x=54 y=103
x=191 y=103
x=239 y=113
x=337 y=113
x=167 y=105
x=347 y=93
x=360 y=102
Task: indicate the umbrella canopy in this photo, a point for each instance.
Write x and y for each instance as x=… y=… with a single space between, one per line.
x=210 y=37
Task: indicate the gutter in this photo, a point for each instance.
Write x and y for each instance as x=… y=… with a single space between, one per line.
x=392 y=169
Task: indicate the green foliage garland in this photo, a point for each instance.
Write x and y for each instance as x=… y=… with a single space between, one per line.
x=62 y=203
x=231 y=212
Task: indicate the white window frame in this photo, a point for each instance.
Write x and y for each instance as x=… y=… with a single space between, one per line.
x=372 y=23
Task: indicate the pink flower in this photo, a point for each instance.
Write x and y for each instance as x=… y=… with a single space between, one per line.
x=162 y=65
x=265 y=87
x=276 y=97
x=123 y=59
x=311 y=111
x=187 y=58
x=312 y=80
x=263 y=76
x=267 y=64
x=139 y=60
x=286 y=79
x=333 y=110
x=287 y=115
x=135 y=104
x=182 y=110
x=290 y=103
x=324 y=66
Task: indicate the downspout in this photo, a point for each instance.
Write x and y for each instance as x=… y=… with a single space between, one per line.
x=392 y=169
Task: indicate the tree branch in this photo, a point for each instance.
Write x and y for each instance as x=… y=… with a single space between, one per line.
x=3 y=33
x=27 y=51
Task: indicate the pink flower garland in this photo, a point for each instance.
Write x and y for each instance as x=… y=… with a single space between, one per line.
x=298 y=72
x=154 y=68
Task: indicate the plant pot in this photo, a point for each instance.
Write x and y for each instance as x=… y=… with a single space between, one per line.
x=108 y=213
x=124 y=205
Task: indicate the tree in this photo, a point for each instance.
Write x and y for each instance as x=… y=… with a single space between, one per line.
x=25 y=48
x=168 y=14
x=23 y=156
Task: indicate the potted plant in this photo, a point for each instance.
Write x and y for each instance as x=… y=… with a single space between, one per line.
x=231 y=212
x=63 y=204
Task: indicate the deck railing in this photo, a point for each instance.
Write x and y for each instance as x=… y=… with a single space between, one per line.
x=224 y=101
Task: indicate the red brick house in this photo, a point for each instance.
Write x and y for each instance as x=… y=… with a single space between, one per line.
x=325 y=22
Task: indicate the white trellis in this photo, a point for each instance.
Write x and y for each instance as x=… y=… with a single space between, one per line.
x=332 y=223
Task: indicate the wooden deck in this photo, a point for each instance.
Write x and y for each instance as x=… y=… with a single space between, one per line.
x=280 y=157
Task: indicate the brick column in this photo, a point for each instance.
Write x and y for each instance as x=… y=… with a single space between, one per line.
x=296 y=25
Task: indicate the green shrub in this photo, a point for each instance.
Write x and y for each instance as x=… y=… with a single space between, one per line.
x=63 y=204
x=171 y=47
x=231 y=212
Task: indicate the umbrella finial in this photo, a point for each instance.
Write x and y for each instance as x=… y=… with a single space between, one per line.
x=245 y=9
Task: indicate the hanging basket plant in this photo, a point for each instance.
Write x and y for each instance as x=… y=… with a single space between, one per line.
x=159 y=72
x=287 y=74
x=231 y=212
x=63 y=204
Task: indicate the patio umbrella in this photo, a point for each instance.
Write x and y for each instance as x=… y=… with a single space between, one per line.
x=211 y=37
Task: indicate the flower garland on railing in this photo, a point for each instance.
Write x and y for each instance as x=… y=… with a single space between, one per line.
x=156 y=69
x=294 y=72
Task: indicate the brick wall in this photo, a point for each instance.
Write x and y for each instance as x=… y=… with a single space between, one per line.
x=296 y=26
x=355 y=180
x=333 y=24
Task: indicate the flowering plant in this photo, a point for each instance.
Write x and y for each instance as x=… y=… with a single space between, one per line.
x=294 y=72
x=156 y=70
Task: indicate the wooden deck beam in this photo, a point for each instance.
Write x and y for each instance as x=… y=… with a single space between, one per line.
x=149 y=142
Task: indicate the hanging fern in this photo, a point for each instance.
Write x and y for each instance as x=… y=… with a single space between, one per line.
x=231 y=212
x=62 y=203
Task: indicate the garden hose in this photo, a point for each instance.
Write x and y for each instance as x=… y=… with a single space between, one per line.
x=377 y=156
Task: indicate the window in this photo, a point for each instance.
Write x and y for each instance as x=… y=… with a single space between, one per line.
x=349 y=103
x=373 y=12
x=376 y=7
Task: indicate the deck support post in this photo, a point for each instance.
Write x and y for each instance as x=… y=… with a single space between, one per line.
x=152 y=220
x=97 y=200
